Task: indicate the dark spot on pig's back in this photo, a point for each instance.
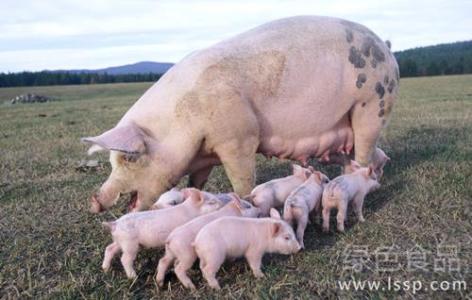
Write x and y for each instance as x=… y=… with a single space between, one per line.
x=391 y=86
x=370 y=46
x=349 y=36
x=356 y=58
x=386 y=79
x=379 y=89
x=381 y=113
x=361 y=79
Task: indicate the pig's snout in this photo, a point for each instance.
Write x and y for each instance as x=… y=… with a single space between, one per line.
x=95 y=206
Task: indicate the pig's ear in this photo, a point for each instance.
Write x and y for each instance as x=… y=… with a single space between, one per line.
x=236 y=200
x=274 y=214
x=370 y=171
x=317 y=176
x=192 y=193
x=128 y=139
x=311 y=169
x=296 y=169
x=276 y=228
x=355 y=165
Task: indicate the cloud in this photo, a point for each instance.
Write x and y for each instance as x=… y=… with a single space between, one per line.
x=50 y=34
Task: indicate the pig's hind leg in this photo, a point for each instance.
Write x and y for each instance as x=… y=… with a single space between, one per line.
x=210 y=266
x=341 y=216
x=110 y=251
x=183 y=264
x=163 y=265
x=302 y=221
x=130 y=250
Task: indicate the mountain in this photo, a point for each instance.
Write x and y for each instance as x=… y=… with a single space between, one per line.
x=143 y=67
x=442 y=59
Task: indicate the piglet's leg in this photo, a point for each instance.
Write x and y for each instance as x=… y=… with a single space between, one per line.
x=110 y=252
x=326 y=215
x=127 y=258
x=163 y=265
x=254 y=258
x=185 y=263
x=301 y=226
x=342 y=212
x=357 y=204
x=209 y=269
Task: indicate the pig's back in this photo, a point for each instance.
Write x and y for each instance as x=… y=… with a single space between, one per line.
x=231 y=234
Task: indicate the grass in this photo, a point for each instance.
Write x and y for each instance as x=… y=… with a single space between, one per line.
x=52 y=247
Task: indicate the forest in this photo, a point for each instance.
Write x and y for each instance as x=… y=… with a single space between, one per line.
x=443 y=59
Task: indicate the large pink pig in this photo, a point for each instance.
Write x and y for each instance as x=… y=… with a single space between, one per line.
x=293 y=88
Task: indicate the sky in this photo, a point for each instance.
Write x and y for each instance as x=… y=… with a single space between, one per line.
x=87 y=34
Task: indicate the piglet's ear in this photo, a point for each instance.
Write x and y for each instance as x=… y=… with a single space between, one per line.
x=274 y=214
x=276 y=228
x=355 y=165
x=128 y=139
x=235 y=200
x=192 y=193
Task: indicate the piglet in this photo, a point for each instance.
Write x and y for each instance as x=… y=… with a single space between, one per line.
x=379 y=160
x=302 y=200
x=150 y=229
x=169 y=199
x=176 y=196
x=232 y=237
x=274 y=193
x=179 y=243
x=348 y=188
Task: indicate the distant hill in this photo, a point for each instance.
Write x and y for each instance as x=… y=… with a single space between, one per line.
x=442 y=59
x=143 y=67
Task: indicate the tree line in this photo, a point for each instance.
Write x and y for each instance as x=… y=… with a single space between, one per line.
x=65 y=78
x=444 y=59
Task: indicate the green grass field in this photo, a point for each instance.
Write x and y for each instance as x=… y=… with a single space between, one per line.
x=52 y=247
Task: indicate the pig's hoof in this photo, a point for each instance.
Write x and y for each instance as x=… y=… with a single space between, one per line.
x=361 y=220
x=215 y=285
x=132 y=275
x=259 y=275
x=95 y=206
x=106 y=268
x=191 y=286
x=325 y=230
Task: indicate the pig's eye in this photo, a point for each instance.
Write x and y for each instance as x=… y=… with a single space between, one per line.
x=130 y=158
x=287 y=238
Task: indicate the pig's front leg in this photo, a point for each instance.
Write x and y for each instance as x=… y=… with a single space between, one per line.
x=254 y=258
x=239 y=161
